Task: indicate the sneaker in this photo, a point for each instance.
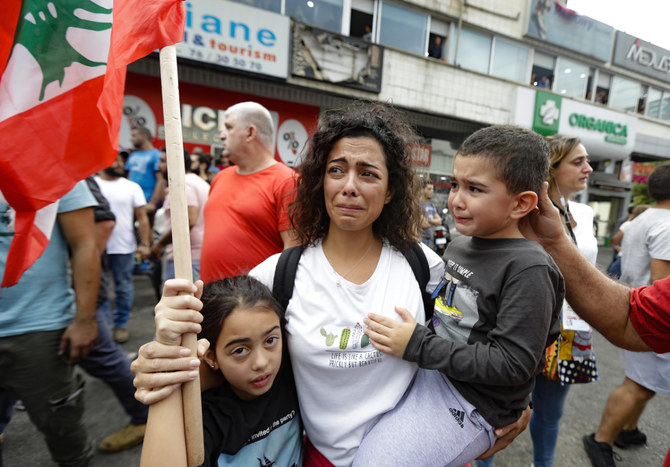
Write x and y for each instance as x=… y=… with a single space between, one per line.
x=121 y=335
x=130 y=436
x=627 y=438
x=600 y=454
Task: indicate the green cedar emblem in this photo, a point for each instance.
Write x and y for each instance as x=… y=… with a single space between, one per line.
x=42 y=29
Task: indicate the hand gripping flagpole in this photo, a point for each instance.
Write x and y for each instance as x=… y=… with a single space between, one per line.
x=180 y=239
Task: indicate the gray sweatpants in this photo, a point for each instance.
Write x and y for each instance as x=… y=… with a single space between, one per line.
x=432 y=425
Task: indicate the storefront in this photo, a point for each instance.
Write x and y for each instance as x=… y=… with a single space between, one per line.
x=607 y=135
x=202 y=113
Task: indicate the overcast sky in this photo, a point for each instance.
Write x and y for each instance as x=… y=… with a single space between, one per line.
x=641 y=18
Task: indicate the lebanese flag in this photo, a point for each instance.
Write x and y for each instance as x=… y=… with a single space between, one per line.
x=61 y=94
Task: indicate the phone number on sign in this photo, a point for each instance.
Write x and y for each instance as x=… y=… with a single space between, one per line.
x=220 y=59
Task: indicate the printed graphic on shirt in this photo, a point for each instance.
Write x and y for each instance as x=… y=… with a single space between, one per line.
x=350 y=347
x=279 y=444
x=456 y=310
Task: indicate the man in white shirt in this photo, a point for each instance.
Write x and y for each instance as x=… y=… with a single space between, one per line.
x=127 y=202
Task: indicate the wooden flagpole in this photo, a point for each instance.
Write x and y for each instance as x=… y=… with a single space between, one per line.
x=180 y=239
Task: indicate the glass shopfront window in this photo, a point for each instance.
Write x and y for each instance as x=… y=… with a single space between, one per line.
x=510 y=61
x=404 y=29
x=665 y=108
x=474 y=51
x=625 y=93
x=653 y=103
x=571 y=78
x=326 y=14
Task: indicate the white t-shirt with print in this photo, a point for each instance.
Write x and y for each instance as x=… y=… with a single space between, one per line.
x=344 y=384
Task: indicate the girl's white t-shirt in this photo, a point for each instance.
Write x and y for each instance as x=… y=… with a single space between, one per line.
x=344 y=384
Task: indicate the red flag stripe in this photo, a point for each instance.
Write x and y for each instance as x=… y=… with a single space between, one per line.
x=51 y=146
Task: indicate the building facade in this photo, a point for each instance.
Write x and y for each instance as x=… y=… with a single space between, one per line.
x=454 y=66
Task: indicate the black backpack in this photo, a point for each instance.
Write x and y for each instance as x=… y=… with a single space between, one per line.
x=282 y=286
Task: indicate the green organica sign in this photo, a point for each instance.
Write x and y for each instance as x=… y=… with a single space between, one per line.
x=614 y=132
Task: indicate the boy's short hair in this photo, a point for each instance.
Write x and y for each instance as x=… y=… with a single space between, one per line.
x=659 y=182
x=520 y=156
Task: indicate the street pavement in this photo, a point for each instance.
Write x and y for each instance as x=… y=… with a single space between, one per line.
x=24 y=446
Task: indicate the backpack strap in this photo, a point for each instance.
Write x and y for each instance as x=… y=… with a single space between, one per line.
x=284 y=280
x=419 y=264
x=282 y=285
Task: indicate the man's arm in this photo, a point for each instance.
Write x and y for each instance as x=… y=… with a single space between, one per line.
x=425 y=223
x=166 y=239
x=597 y=299
x=289 y=238
x=435 y=220
x=145 y=232
x=158 y=193
x=79 y=230
x=660 y=269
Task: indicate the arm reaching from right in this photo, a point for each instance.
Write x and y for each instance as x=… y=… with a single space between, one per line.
x=162 y=365
x=160 y=369
x=599 y=300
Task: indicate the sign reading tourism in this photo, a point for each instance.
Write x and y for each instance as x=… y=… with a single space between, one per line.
x=236 y=36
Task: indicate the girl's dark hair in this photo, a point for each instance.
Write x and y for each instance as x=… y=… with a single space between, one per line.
x=400 y=219
x=220 y=298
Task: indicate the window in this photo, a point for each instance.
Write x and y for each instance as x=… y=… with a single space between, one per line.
x=270 y=5
x=571 y=78
x=624 y=94
x=510 y=61
x=474 y=51
x=603 y=88
x=362 y=20
x=404 y=29
x=437 y=39
x=542 y=73
x=665 y=109
x=326 y=14
x=653 y=103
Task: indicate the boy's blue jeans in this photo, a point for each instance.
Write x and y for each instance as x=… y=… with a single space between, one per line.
x=548 y=402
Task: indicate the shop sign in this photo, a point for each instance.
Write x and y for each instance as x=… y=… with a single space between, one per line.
x=421 y=154
x=547 y=111
x=203 y=117
x=345 y=61
x=641 y=56
x=615 y=132
x=605 y=133
x=552 y=22
x=236 y=36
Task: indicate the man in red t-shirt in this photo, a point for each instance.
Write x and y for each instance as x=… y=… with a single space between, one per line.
x=246 y=217
x=634 y=319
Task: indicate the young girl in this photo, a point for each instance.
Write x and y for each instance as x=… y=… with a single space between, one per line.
x=249 y=404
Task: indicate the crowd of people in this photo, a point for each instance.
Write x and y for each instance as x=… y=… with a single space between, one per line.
x=329 y=329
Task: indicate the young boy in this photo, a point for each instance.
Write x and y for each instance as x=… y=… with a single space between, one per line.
x=496 y=310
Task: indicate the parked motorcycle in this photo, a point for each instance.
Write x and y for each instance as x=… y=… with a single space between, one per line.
x=441 y=238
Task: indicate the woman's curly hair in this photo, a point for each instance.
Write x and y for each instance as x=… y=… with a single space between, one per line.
x=400 y=219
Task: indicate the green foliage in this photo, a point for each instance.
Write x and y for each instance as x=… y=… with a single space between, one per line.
x=42 y=31
x=640 y=194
